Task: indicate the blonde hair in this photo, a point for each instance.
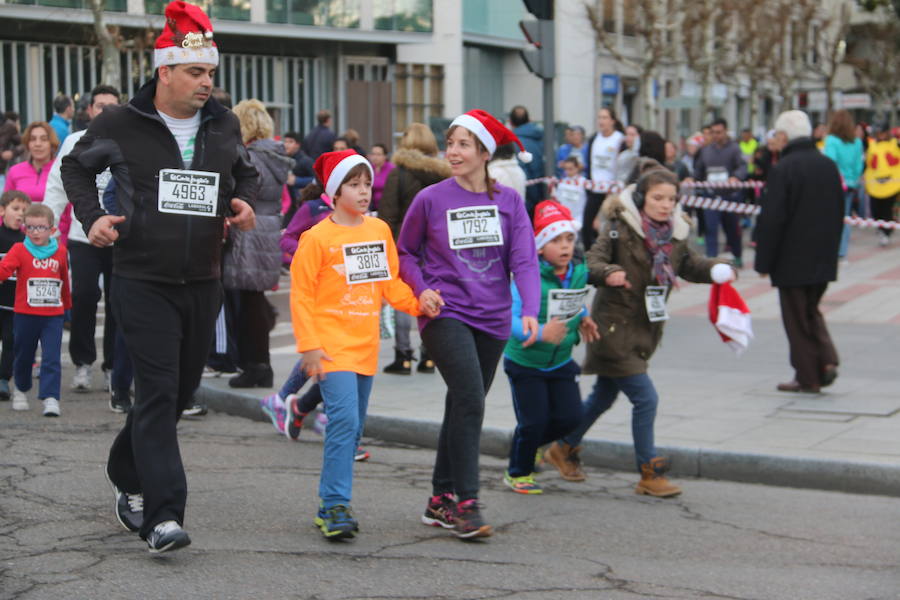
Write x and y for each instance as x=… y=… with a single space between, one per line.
x=419 y=136
x=51 y=134
x=256 y=124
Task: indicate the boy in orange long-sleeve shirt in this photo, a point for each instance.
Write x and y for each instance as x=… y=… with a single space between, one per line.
x=342 y=268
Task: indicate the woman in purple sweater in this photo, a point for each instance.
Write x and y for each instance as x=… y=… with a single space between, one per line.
x=464 y=237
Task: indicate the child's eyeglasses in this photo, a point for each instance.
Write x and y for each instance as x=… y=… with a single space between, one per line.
x=37 y=228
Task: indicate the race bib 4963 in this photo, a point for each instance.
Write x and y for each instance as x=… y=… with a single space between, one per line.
x=188 y=192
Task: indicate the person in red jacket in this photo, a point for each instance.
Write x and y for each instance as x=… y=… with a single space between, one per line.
x=42 y=296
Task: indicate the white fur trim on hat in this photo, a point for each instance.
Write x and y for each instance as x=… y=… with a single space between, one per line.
x=794 y=123
x=554 y=229
x=180 y=56
x=525 y=156
x=478 y=128
x=340 y=171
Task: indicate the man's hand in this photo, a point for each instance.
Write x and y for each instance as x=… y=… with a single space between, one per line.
x=6 y=155
x=618 y=279
x=589 y=330
x=311 y=363
x=244 y=218
x=554 y=331
x=733 y=179
x=103 y=232
x=529 y=328
x=430 y=303
x=291 y=179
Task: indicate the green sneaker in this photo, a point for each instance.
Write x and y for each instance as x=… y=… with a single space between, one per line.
x=336 y=522
x=522 y=485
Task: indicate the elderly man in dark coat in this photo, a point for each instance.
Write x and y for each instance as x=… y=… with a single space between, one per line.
x=798 y=233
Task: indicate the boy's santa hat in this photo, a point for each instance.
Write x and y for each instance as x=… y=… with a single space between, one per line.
x=490 y=132
x=332 y=167
x=550 y=220
x=730 y=316
x=186 y=37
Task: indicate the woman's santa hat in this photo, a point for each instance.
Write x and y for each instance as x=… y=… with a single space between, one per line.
x=729 y=315
x=186 y=37
x=550 y=220
x=332 y=167
x=490 y=132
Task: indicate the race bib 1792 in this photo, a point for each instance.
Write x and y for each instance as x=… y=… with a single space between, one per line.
x=474 y=227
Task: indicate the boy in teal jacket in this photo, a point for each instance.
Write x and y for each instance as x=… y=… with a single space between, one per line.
x=543 y=376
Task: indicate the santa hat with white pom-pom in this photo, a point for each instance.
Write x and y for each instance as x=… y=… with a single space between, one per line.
x=490 y=132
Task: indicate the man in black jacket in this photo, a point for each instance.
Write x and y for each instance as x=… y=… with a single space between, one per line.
x=798 y=234
x=179 y=167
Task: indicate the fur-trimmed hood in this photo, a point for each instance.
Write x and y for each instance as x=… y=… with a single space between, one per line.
x=413 y=160
x=621 y=206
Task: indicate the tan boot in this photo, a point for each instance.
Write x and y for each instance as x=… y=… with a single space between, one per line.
x=653 y=481
x=566 y=460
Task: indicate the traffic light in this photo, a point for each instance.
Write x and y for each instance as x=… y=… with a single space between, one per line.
x=540 y=59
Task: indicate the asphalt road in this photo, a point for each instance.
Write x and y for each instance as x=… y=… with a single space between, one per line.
x=253 y=496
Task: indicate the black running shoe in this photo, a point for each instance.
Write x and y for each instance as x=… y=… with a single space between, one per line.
x=440 y=511
x=120 y=401
x=468 y=522
x=167 y=536
x=129 y=507
x=293 y=422
x=336 y=522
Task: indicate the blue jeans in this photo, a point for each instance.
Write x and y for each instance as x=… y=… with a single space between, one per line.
x=642 y=395
x=730 y=223
x=28 y=330
x=845 y=234
x=346 y=397
x=296 y=380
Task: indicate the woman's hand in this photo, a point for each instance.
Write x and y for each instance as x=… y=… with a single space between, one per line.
x=529 y=328
x=589 y=330
x=430 y=303
x=618 y=279
x=311 y=363
x=554 y=331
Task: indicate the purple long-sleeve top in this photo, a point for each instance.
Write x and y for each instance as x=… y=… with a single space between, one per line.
x=379 y=181
x=474 y=282
x=309 y=213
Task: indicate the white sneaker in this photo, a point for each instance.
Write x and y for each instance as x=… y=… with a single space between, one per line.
x=82 y=380
x=19 y=400
x=107 y=380
x=51 y=407
x=883 y=239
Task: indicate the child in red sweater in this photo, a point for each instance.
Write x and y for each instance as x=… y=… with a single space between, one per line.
x=42 y=295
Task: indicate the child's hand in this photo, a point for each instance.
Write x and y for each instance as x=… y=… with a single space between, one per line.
x=554 y=331
x=618 y=279
x=589 y=330
x=312 y=363
x=430 y=303
x=529 y=328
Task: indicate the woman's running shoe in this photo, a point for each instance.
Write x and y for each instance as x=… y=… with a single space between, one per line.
x=320 y=423
x=293 y=424
x=361 y=454
x=273 y=406
x=468 y=522
x=440 y=512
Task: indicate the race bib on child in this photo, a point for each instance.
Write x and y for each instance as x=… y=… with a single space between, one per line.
x=365 y=262
x=717 y=175
x=565 y=304
x=44 y=291
x=655 y=299
x=474 y=227
x=188 y=192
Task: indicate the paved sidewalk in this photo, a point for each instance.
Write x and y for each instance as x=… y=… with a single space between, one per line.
x=719 y=414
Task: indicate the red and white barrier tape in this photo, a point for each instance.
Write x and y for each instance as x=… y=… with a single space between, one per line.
x=720 y=204
x=860 y=222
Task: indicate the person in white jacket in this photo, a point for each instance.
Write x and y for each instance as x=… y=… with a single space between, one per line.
x=87 y=262
x=505 y=169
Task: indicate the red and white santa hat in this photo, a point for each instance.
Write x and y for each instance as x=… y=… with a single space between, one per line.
x=186 y=37
x=490 y=131
x=332 y=167
x=730 y=316
x=550 y=220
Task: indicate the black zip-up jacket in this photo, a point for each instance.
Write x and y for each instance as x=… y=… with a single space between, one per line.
x=134 y=142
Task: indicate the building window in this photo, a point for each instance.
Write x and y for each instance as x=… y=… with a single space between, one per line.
x=110 y=5
x=232 y=10
x=418 y=94
x=498 y=18
x=404 y=15
x=319 y=13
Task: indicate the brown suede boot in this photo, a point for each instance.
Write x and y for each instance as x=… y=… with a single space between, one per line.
x=566 y=460
x=653 y=481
